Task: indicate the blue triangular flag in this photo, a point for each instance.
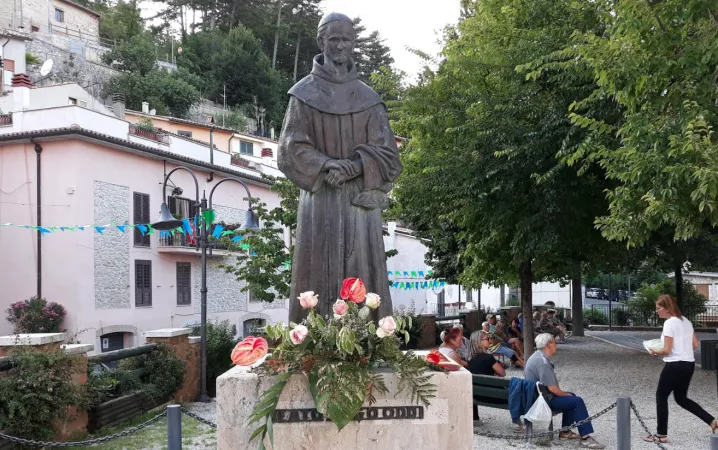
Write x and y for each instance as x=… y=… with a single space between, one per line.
x=421 y=273
x=390 y=273
x=43 y=231
x=406 y=274
x=122 y=228
x=237 y=238
x=142 y=228
x=100 y=229
x=254 y=254
x=217 y=231
x=186 y=228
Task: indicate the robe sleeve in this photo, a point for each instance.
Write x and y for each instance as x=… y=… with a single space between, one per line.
x=380 y=155
x=298 y=157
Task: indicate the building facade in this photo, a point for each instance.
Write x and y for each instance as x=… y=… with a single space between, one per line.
x=96 y=169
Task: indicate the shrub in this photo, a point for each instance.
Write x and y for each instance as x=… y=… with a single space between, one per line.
x=693 y=303
x=220 y=342
x=38 y=391
x=409 y=315
x=594 y=317
x=164 y=372
x=104 y=386
x=36 y=315
x=513 y=301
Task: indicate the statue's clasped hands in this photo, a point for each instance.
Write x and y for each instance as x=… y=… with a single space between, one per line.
x=341 y=171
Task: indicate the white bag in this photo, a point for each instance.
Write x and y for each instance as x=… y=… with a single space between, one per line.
x=539 y=414
x=653 y=345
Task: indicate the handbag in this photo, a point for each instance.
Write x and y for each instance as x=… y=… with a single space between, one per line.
x=540 y=413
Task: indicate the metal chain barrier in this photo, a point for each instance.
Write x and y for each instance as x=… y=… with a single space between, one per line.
x=645 y=427
x=201 y=419
x=548 y=433
x=31 y=443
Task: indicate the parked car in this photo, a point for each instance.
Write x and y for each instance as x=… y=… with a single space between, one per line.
x=593 y=293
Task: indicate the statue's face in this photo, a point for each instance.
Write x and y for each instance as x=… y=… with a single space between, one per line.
x=338 y=42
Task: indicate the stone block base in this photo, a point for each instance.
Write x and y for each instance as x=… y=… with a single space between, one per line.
x=393 y=422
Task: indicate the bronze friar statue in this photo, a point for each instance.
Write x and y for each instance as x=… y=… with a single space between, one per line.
x=338 y=148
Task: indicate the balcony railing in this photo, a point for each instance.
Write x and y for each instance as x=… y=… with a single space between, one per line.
x=5 y=119
x=151 y=135
x=237 y=160
x=178 y=240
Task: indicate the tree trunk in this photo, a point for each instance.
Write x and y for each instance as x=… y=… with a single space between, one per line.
x=276 y=34
x=296 y=55
x=577 y=302
x=679 y=283
x=502 y=296
x=478 y=298
x=526 y=277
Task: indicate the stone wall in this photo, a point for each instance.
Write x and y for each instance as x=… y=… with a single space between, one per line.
x=225 y=293
x=112 y=250
x=41 y=14
x=73 y=62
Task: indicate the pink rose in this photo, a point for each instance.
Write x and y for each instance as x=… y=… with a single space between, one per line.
x=308 y=299
x=372 y=300
x=387 y=327
x=298 y=334
x=340 y=308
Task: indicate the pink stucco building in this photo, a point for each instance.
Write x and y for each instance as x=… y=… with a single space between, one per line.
x=63 y=164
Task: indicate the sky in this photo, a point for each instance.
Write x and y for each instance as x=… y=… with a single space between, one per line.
x=413 y=23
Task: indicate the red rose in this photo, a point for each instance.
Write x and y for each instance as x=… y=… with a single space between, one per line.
x=353 y=289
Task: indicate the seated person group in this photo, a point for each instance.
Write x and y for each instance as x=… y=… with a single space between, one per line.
x=477 y=355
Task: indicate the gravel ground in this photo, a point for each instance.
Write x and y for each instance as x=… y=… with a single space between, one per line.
x=599 y=372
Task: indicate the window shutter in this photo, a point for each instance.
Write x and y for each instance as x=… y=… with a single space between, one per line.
x=143 y=283
x=184 y=296
x=141 y=207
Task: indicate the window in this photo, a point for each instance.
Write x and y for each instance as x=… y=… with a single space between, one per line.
x=72 y=101
x=141 y=216
x=246 y=148
x=184 y=288
x=252 y=299
x=8 y=66
x=182 y=207
x=250 y=326
x=143 y=283
x=82 y=103
x=59 y=15
x=185 y=133
x=35 y=29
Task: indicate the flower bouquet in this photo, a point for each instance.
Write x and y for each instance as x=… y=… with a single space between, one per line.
x=338 y=355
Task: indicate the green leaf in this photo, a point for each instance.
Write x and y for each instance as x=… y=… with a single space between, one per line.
x=260 y=430
x=406 y=337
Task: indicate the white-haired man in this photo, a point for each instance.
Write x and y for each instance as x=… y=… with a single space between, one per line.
x=540 y=368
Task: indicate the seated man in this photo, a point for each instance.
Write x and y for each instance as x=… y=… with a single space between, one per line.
x=540 y=368
x=558 y=326
x=514 y=344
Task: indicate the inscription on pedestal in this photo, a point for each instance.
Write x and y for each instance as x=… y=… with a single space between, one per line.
x=370 y=413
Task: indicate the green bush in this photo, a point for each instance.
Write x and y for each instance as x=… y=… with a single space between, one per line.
x=513 y=301
x=36 y=315
x=407 y=313
x=164 y=372
x=693 y=303
x=220 y=342
x=104 y=386
x=37 y=392
x=594 y=317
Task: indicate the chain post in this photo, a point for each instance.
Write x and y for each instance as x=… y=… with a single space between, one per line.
x=714 y=441
x=174 y=427
x=623 y=422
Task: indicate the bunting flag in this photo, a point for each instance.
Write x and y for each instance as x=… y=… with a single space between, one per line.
x=417 y=285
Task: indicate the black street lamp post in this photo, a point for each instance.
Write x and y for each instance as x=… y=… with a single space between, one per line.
x=168 y=222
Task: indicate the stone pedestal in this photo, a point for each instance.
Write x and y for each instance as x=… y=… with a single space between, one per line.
x=393 y=422
x=188 y=350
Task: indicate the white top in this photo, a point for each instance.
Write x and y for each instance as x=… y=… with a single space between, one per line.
x=681 y=331
x=446 y=351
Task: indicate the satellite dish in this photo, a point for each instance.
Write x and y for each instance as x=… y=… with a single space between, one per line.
x=46 y=68
x=153 y=112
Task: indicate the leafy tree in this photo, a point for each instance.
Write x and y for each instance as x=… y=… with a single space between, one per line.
x=121 y=22
x=482 y=159
x=265 y=262
x=655 y=61
x=136 y=55
x=370 y=52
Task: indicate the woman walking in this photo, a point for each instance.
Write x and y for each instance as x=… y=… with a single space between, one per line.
x=679 y=342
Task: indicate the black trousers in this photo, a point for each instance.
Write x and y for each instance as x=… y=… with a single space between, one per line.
x=676 y=378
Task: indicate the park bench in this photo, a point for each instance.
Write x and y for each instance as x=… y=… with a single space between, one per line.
x=493 y=392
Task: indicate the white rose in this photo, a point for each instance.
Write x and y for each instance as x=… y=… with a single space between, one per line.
x=372 y=300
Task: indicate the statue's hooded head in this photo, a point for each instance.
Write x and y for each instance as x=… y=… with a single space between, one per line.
x=336 y=37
